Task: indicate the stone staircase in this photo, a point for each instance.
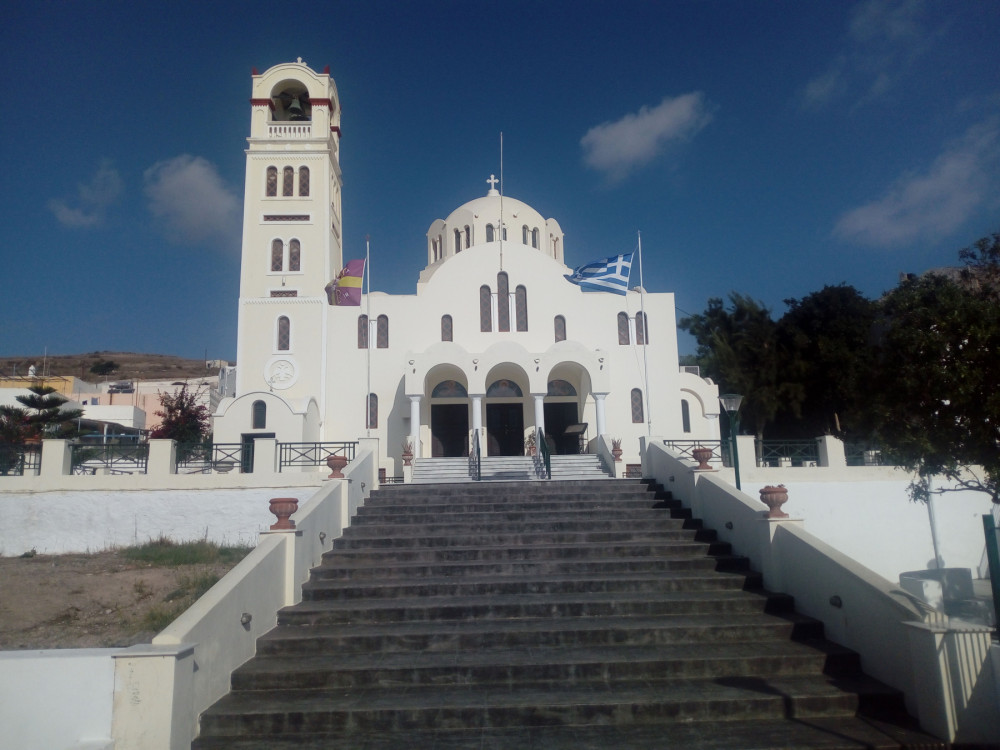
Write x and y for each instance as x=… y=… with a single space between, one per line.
x=506 y=468
x=549 y=615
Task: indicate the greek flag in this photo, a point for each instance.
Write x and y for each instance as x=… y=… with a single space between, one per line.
x=607 y=275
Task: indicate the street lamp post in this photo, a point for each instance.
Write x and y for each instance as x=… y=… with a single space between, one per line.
x=731 y=404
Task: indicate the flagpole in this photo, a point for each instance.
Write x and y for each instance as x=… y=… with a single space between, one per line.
x=501 y=204
x=368 y=333
x=645 y=341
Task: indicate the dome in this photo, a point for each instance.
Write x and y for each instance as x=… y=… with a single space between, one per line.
x=478 y=223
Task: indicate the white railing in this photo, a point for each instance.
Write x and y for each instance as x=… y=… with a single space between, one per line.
x=289 y=130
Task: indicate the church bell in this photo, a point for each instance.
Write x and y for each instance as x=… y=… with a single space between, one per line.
x=295 y=112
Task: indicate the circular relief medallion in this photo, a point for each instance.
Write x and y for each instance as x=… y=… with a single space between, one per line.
x=281 y=373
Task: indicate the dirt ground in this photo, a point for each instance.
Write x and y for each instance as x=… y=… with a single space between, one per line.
x=92 y=601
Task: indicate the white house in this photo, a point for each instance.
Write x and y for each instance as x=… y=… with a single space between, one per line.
x=495 y=342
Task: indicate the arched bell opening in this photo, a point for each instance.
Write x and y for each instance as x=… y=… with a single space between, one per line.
x=291 y=102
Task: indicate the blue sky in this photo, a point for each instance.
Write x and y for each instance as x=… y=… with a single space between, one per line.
x=769 y=148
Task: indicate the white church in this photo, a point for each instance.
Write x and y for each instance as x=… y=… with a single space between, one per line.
x=494 y=344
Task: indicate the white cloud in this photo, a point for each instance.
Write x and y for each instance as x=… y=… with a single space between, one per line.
x=93 y=199
x=932 y=204
x=883 y=38
x=620 y=147
x=193 y=203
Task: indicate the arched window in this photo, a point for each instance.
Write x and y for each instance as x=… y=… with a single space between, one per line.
x=372 y=416
x=685 y=416
x=504 y=389
x=258 y=415
x=284 y=334
x=303 y=181
x=489 y=233
x=637 y=415
x=271 y=185
x=524 y=234
x=641 y=330
x=623 y=335
x=294 y=256
x=458 y=241
x=521 y=307
x=468 y=236
x=362 y=332
x=534 y=238
x=446 y=328
x=485 y=309
x=277 y=255
x=503 y=302
x=287 y=181
x=560 y=326
x=382 y=332
x=449 y=389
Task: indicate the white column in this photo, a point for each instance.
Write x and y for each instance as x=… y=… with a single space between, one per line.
x=599 y=405
x=477 y=420
x=415 y=422
x=539 y=411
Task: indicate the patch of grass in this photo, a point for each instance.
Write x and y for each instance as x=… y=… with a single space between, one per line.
x=169 y=554
x=189 y=589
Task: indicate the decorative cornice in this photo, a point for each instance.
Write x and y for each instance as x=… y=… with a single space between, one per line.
x=336 y=129
x=283 y=301
x=262 y=103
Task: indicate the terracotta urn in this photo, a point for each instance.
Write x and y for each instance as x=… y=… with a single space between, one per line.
x=336 y=464
x=774 y=498
x=283 y=508
x=617 y=453
x=702 y=455
x=407 y=455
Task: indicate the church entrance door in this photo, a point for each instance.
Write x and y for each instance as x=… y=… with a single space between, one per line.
x=505 y=429
x=559 y=416
x=449 y=430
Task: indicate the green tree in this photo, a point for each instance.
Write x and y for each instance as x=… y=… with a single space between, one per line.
x=46 y=415
x=184 y=418
x=14 y=430
x=936 y=404
x=104 y=367
x=739 y=348
x=827 y=345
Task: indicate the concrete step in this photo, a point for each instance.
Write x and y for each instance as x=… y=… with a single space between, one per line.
x=818 y=733
x=453 y=636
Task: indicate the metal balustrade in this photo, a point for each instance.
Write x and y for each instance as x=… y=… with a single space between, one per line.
x=720 y=451
x=787 y=453
x=313 y=454
x=111 y=459
x=19 y=459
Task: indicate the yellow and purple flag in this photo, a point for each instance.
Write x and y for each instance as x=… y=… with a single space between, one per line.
x=346 y=288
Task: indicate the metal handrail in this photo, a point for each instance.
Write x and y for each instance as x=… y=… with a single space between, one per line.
x=17 y=459
x=118 y=459
x=313 y=454
x=684 y=448
x=227 y=456
x=546 y=456
x=475 y=459
x=790 y=451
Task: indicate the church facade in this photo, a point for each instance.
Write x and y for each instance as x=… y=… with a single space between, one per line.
x=494 y=343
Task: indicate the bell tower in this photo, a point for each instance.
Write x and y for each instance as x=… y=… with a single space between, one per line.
x=292 y=234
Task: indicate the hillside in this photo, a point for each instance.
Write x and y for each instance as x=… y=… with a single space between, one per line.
x=131 y=366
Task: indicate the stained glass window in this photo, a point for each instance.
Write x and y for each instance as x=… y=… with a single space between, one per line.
x=294 y=256
x=271 y=188
x=277 y=255
x=303 y=181
x=362 y=332
x=623 y=335
x=284 y=334
x=259 y=415
x=288 y=181
x=503 y=302
x=560 y=326
x=382 y=332
x=485 y=309
x=637 y=415
x=521 y=307
x=446 y=328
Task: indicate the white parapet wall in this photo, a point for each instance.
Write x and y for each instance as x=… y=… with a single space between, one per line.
x=149 y=696
x=56 y=700
x=942 y=667
x=161 y=689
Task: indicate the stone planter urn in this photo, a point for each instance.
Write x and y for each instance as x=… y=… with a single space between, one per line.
x=702 y=456
x=407 y=454
x=283 y=508
x=336 y=464
x=774 y=498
